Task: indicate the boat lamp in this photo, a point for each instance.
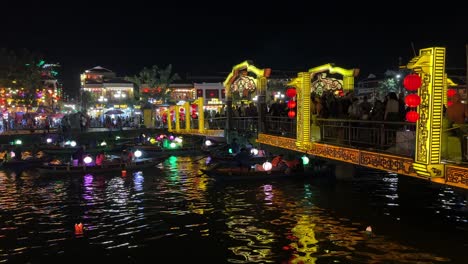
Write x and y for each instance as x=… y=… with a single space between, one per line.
x=88 y=160
x=267 y=166
x=138 y=153
x=254 y=151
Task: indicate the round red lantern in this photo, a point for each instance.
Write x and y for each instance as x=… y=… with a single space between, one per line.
x=412 y=100
x=194 y=106
x=181 y=109
x=412 y=82
x=291 y=114
x=412 y=116
x=291 y=92
x=291 y=104
x=146 y=90
x=451 y=92
x=449 y=103
x=194 y=116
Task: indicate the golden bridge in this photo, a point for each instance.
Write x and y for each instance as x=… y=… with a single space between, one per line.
x=417 y=149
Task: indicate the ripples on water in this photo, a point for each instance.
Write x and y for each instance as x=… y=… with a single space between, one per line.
x=176 y=214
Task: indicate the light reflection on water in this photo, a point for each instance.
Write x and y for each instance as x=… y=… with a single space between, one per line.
x=177 y=211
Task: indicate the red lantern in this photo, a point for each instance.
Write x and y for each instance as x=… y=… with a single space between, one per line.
x=412 y=82
x=146 y=90
x=194 y=116
x=451 y=92
x=291 y=114
x=291 y=92
x=412 y=116
x=291 y=104
x=181 y=109
x=449 y=103
x=194 y=106
x=412 y=100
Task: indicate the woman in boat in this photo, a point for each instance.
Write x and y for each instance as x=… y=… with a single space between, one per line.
x=100 y=158
x=243 y=159
x=277 y=164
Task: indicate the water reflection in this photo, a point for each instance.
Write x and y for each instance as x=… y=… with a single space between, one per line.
x=178 y=209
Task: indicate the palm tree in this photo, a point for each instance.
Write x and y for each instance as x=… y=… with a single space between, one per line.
x=157 y=80
x=166 y=77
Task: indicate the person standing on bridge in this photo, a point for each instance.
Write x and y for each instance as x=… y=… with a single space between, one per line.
x=457 y=114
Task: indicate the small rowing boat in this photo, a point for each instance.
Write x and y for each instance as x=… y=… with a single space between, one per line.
x=68 y=169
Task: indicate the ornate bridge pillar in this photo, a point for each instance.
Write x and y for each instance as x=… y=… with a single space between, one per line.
x=430 y=65
x=303 y=110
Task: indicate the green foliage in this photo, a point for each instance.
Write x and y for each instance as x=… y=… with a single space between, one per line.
x=155 y=78
x=20 y=70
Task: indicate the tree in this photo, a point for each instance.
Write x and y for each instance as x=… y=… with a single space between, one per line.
x=157 y=80
x=86 y=98
x=21 y=71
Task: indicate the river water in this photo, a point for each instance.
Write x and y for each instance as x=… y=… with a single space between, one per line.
x=174 y=214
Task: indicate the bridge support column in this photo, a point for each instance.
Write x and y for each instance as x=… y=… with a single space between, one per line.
x=344 y=171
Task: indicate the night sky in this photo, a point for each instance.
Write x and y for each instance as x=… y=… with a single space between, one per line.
x=205 y=39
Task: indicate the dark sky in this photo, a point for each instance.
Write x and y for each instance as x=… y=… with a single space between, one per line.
x=197 y=37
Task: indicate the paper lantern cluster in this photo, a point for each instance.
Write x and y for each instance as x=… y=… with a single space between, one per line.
x=194 y=111
x=412 y=83
x=291 y=93
x=450 y=93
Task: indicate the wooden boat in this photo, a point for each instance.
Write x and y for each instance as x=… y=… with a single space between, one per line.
x=68 y=169
x=237 y=173
x=59 y=150
x=20 y=165
x=154 y=150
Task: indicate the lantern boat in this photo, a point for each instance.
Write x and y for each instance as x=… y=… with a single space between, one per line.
x=59 y=150
x=229 y=173
x=110 y=167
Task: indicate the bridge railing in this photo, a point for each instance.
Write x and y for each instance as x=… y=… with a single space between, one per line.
x=393 y=137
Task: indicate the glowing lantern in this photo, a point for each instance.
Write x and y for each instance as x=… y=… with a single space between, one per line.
x=291 y=114
x=412 y=82
x=267 y=166
x=88 y=160
x=412 y=116
x=254 y=151
x=291 y=92
x=146 y=90
x=412 y=100
x=291 y=104
x=449 y=103
x=137 y=154
x=451 y=92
